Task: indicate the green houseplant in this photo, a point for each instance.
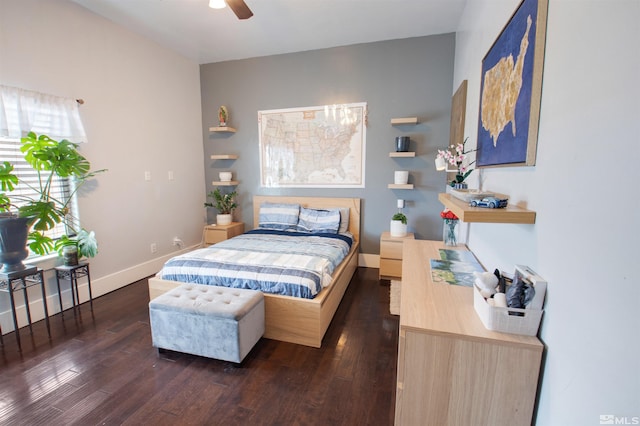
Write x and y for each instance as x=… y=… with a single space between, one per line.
x=398 y=226
x=224 y=203
x=42 y=210
x=401 y=217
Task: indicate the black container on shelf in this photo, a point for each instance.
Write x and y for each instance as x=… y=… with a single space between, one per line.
x=402 y=143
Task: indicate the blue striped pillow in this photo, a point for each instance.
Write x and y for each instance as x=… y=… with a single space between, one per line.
x=322 y=221
x=278 y=216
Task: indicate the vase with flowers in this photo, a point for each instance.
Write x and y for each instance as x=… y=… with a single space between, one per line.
x=450 y=228
x=458 y=157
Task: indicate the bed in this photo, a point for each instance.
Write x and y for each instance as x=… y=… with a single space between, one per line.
x=293 y=319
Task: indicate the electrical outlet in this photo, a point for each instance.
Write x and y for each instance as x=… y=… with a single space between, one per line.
x=147 y=175
x=154 y=248
x=171 y=177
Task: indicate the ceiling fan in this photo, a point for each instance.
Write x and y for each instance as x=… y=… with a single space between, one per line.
x=239 y=7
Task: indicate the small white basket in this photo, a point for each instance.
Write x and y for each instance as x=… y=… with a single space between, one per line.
x=498 y=319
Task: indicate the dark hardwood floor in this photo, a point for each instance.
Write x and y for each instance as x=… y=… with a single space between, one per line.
x=100 y=368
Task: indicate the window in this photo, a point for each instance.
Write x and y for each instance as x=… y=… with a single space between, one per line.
x=61 y=188
x=23 y=111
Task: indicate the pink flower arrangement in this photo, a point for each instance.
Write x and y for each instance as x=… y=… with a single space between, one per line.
x=457 y=157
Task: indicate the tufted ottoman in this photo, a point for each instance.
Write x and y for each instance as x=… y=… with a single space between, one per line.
x=215 y=322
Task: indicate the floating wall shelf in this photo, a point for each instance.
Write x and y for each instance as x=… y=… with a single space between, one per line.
x=466 y=213
x=224 y=157
x=400 y=186
x=222 y=129
x=225 y=183
x=402 y=154
x=405 y=120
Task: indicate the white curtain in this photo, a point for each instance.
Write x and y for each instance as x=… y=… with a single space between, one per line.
x=23 y=111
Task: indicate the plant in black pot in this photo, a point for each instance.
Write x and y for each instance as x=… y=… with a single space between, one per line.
x=224 y=203
x=29 y=210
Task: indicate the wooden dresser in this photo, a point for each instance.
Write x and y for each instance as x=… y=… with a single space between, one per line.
x=451 y=369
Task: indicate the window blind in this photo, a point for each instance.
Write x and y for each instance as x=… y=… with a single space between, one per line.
x=61 y=188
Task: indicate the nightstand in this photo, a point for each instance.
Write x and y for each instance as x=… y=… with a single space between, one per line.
x=391 y=255
x=216 y=233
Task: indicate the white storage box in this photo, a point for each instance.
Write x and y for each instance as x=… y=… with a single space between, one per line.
x=527 y=321
x=539 y=285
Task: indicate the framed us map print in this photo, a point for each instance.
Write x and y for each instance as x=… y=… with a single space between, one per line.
x=510 y=91
x=313 y=147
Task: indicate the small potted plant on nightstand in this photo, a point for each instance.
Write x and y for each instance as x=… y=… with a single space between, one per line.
x=398 y=225
x=224 y=203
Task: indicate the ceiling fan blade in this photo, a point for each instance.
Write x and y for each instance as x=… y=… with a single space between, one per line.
x=240 y=8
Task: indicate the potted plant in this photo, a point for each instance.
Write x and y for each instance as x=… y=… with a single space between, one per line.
x=26 y=218
x=398 y=225
x=224 y=203
x=456 y=155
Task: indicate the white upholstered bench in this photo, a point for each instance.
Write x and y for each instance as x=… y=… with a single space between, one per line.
x=210 y=321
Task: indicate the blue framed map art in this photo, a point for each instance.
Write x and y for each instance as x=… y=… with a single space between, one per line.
x=511 y=88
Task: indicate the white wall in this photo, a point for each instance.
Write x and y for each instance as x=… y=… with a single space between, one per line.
x=142 y=113
x=584 y=190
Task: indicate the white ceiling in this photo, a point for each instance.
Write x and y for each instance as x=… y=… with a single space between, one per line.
x=278 y=26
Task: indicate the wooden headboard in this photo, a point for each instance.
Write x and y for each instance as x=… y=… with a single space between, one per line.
x=316 y=203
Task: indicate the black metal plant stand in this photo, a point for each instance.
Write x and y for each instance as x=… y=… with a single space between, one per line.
x=72 y=273
x=16 y=281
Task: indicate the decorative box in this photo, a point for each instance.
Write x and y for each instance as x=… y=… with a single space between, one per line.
x=467 y=195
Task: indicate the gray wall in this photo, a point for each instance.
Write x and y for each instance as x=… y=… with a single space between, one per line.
x=397 y=78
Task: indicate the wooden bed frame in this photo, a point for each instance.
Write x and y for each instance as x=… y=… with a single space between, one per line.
x=292 y=319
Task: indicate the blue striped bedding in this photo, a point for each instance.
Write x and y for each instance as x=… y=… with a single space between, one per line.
x=289 y=263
